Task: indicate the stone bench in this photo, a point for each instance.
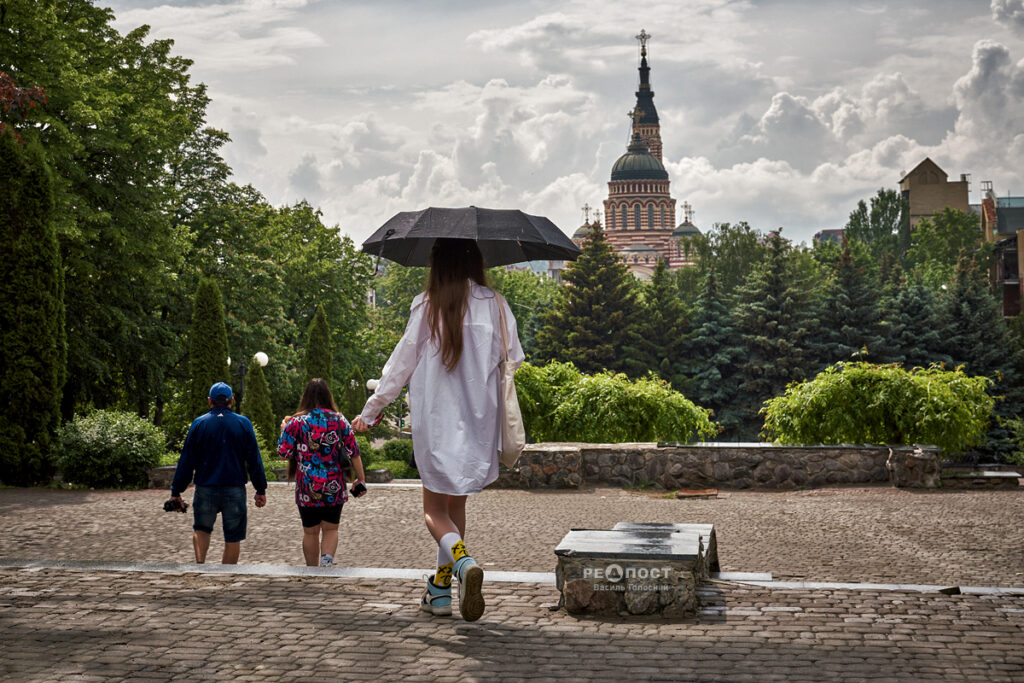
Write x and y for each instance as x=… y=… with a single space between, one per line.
x=708 y=542
x=630 y=571
x=980 y=479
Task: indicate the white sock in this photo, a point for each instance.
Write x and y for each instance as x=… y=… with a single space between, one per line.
x=444 y=548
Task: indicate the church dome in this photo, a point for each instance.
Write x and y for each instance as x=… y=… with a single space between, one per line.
x=582 y=232
x=638 y=163
x=686 y=229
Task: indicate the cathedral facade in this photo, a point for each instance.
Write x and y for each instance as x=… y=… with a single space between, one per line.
x=639 y=212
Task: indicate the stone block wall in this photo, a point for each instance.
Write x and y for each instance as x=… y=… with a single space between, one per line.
x=698 y=465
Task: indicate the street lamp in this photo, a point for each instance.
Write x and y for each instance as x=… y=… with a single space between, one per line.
x=261 y=358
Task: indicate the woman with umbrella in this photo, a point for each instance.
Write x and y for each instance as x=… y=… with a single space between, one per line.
x=449 y=356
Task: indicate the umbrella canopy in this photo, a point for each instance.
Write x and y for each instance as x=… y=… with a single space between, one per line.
x=503 y=235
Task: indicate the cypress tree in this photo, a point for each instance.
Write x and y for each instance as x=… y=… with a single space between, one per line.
x=353 y=395
x=208 y=344
x=915 y=326
x=978 y=338
x=595 y=324
x=32 y=350
x=776 y=322
x=850 y=319
x=713 y=353
x=664 y=328
x=318 y=348
x=258 y=407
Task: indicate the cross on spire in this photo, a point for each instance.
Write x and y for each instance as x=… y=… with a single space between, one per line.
x=636 y=114
x=643 y=37
x=586 y=212
x=687 y=212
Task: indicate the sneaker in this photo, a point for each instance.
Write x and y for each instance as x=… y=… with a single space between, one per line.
x=326 y=560
x=437 y=600
x=471 y=580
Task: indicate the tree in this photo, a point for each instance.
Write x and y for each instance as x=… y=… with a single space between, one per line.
x=850 y=316
x=117 y=110
x=884 y=228
x=31 y=315
x=883 y=404
x=208 y=345
x=664 y=328
x=977 y=338
x=318 y=348
x=776 y=321
x=938 y=243
x=258 y=407
x=731 y=250
x=595 y=324
x=915 y=326
x=713 y=352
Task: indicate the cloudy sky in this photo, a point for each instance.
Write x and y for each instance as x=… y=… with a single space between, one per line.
x=776 y=112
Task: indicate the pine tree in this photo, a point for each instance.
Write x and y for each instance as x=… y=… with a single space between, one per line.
x=208 y=344
x=318 y=348
x=915 y=326
x=258 y=407
x=595 y=324
x=850 y=319
x=978 y=338
x=775 y=318
x=713 y=352
x=664 y=328
x=32 y=350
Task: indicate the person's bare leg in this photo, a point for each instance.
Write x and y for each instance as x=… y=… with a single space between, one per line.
x=437 y=516
x=231 y=553
x=311 y=544
x=457 y=513
x=200 y=544
x=329 y=544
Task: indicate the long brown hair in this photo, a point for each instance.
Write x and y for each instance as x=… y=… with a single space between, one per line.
x=453 y=263
x=316 y=395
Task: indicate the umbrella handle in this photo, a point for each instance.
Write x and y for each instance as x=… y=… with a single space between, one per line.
x=389 y=233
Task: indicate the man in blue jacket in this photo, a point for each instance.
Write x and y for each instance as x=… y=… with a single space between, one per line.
x=219 y=450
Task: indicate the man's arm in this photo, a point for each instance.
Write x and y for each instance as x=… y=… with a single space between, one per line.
x=254 y=463
x=186 y=465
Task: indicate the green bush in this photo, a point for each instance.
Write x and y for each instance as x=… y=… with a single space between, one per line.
x=398 y=449
x=110 y=449
x=1016 y=427
x=561 y=404
x=883 y=404
x=367 y=453
x=399 y=469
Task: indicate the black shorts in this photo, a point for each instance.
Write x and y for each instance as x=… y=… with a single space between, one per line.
x=311 y=516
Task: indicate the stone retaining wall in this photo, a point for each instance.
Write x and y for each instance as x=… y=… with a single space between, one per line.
x=699 y=465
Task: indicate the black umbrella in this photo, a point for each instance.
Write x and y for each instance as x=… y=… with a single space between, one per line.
x=503 y=235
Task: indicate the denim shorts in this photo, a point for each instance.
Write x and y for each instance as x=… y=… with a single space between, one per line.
x=229 y=501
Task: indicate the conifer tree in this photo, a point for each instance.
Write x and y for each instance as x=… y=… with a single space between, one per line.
x=978 y=338
x=353 y=395
x=258 y=407
x=595 y=324
x=713 y=351
x=915 y=326
x=318 y=348
x=851 y=324
x=208 y=344
x=32 y=344
x=775 y=318
x=664 y=328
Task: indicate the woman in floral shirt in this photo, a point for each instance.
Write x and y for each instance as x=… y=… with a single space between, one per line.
x=313 y=440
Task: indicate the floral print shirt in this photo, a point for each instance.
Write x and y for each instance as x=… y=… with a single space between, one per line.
x=313 y=440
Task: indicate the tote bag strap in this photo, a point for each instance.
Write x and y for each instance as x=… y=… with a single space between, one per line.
x=504 y=327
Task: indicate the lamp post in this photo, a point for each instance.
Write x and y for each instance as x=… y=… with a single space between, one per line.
x=261 y=358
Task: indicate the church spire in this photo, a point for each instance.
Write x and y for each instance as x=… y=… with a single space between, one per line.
x=645 y=119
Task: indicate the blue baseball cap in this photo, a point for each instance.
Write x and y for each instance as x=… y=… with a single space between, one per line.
x=220 y=392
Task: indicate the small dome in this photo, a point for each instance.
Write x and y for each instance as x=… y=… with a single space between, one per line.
x=582 y=231
x=638 y=163
x=686 y=229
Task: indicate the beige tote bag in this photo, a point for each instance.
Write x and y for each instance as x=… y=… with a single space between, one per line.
x=513 y=434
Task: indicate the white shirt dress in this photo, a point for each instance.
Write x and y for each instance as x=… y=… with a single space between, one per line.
x=456 y=429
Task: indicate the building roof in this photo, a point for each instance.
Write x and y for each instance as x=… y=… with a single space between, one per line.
x=582 y=231
x=638 y=248
x=685 y=229
x=926 y=165
x=638 y=163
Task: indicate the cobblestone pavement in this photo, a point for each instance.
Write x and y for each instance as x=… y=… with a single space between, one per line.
x=67 y=625
x=877 y=534
x=101 y=625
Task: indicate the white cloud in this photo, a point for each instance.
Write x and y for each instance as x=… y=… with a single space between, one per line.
x=1010 y=13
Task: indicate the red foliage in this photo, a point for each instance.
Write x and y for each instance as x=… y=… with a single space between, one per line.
x=15 y=102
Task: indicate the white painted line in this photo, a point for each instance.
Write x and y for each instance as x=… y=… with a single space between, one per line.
x=908 y=587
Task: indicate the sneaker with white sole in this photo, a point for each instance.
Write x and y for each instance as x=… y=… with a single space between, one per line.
x=326 y=560
x=471 y=580
x=437 y=600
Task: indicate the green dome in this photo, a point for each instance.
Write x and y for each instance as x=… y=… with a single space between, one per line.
x=582 y=231
x=686 y=229
x=638 y=163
